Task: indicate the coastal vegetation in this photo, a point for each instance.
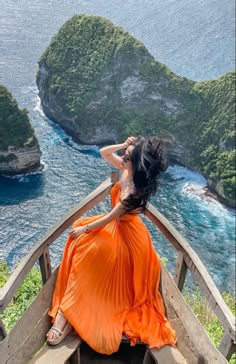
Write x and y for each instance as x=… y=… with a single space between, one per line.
x=33 y=283
x=102 y=85
x=15 y=127
x=19 y=148
x=217 y=158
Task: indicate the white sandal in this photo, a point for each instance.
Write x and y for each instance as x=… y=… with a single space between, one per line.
x=60 y=334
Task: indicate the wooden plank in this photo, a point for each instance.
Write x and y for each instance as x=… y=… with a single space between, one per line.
x=184 y=342
x=28 y=335
x=162 y=353
x=148 y=358
x=227 y=346
x=193 y=327
x=17 y=277
x=58 y=354
x=197 y=268
x=170 y=312
x=180 y=271
x=212 y=295
x=167 y=354
x=3 y=333
x=75 y=358
x=45 y=265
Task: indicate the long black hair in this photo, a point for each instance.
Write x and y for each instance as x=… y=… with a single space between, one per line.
x=148 y=162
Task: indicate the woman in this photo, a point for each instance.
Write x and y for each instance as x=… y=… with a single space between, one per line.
x=108 y=280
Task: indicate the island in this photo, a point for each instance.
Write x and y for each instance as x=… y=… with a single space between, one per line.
x=101 y=85
x=19 y=148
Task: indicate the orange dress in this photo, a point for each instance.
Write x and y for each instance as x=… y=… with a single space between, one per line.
x=107 y=285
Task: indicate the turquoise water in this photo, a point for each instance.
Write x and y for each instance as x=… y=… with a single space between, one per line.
x=195 y=41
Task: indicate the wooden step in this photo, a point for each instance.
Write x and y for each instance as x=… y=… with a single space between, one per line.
x=58 y=354
x=167 y=354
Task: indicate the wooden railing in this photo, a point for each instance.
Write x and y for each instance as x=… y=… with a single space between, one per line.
x=41 y=252
x=186 y=259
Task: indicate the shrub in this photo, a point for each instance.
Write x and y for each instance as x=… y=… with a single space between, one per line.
x=23 y=297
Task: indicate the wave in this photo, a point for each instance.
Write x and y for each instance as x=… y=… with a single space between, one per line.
x=22 y=175
x=185 y=174
x=38 y=107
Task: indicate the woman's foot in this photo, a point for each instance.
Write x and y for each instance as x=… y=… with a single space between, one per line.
x=60 y=329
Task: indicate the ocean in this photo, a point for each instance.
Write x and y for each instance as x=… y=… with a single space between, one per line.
x=194 y=39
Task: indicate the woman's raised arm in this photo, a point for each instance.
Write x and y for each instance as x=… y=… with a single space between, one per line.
x=108 y=153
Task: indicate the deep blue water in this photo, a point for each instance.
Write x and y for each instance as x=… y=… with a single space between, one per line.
x=193 y=38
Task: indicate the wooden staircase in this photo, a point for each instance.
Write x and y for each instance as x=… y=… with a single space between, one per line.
x=26 y=342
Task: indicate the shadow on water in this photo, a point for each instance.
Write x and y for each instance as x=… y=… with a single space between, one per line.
x=61 y=135
x=14 y=190
x=92 y=150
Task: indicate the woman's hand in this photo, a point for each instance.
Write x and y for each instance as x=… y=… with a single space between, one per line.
x=129 y=141
x=76 y=232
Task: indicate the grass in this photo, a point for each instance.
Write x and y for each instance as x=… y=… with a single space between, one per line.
x=23 y=297
x=208 y=319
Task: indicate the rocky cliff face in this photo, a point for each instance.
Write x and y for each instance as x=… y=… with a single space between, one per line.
x=101 y=85
x=19 y=148
x=22 y=160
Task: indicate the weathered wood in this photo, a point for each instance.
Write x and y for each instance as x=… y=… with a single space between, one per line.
x=58 y=354
x=184 y=342
x=3 y=333
x=15 y=280
x=167 y=354
x=194 y=329
x=148 y=358
x=75 y=358
x=28 y=335
x=180 y=271
x=197 y=268
x=212 y=295
x=45 y=265
x=227 y=346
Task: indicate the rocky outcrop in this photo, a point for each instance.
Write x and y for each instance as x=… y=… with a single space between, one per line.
x=101 y=85
x=95 y=80
x=22 y=160
x=19 y=148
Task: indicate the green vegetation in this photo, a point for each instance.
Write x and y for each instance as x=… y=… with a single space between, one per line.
x=32 y=285
x=79 y=54
x=208 y=319
x=217 y=139
x=94 y=74
x=15 y=127
x=23 y=298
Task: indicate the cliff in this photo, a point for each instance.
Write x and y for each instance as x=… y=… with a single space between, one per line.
x=101 y=84
x=19 y=148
